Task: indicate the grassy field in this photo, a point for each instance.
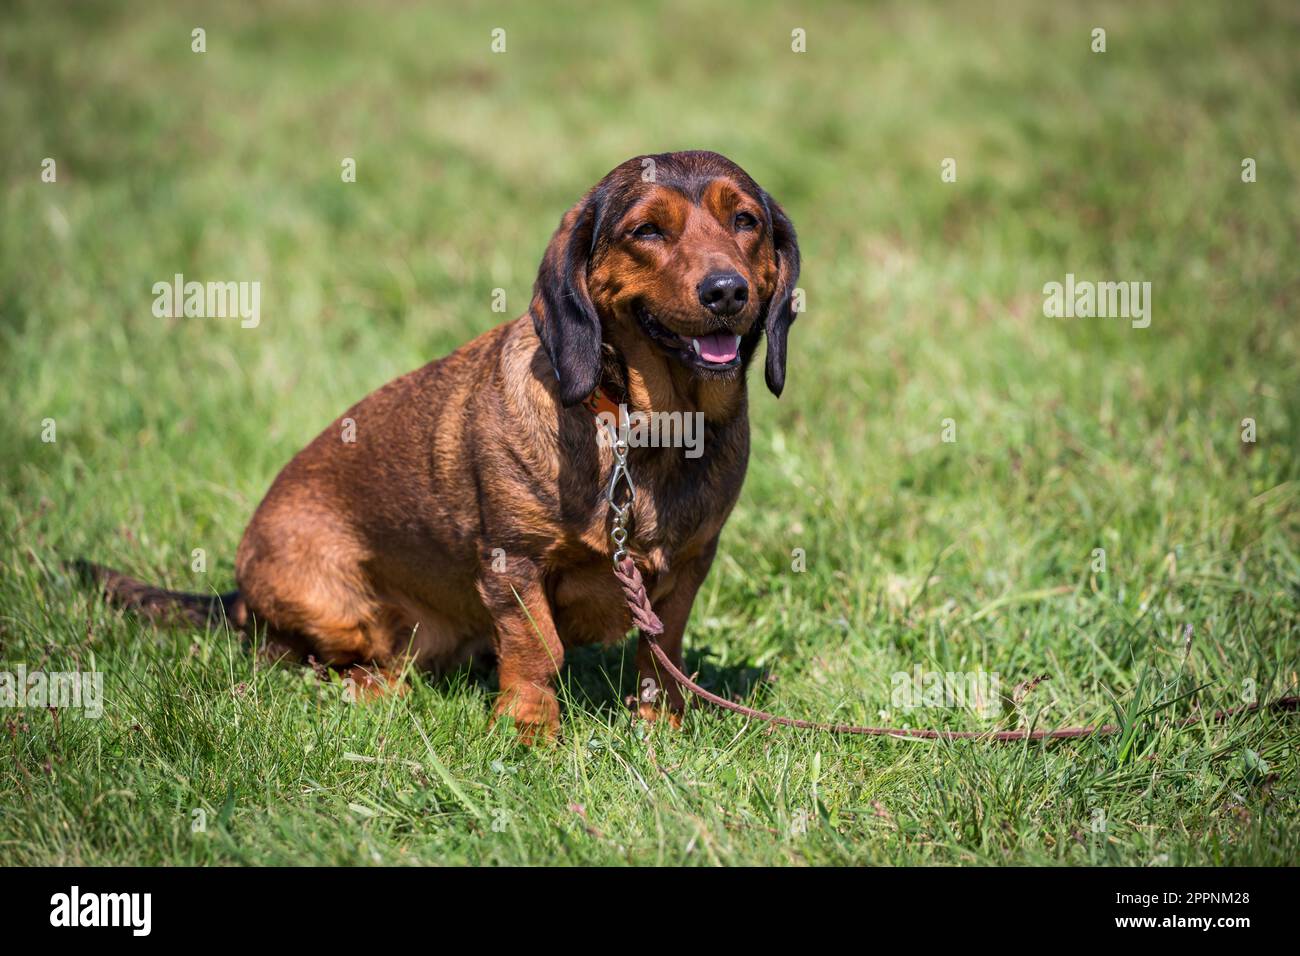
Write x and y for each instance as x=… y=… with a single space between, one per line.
x=924 y=304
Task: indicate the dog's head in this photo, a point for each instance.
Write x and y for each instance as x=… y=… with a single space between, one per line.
x=681 y=248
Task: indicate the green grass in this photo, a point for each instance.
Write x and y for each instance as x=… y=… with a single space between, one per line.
x=924 y=303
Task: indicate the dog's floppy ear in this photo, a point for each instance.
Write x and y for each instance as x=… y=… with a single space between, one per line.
x=779 y=312
x=563 y=314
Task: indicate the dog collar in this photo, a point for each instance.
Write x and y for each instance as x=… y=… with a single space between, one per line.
x=598 y=403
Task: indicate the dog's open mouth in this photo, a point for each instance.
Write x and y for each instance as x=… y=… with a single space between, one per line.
x=715 y=352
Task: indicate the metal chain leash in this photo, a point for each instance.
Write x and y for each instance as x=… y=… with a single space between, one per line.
x=625 y=569
x=618 y=529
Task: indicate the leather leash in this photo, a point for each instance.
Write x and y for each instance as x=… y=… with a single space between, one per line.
x=644 y=617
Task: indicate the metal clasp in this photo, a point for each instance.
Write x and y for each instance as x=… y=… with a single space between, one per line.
x=618 y=532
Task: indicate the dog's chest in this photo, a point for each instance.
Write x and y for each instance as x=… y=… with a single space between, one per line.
x=680 y=505
x=675 y=513
x=679 y=511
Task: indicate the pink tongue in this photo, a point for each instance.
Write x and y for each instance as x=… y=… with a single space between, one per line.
x=718 y=347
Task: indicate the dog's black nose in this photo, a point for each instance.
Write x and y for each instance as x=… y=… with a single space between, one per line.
x=723 y=293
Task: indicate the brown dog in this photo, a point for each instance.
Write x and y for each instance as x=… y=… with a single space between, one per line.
x=460 y=508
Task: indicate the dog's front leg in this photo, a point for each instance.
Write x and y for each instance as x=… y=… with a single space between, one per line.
x=658 y=695
x=529 y=652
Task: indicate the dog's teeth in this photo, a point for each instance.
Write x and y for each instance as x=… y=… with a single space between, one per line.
x=695 y=344
x=737 y=341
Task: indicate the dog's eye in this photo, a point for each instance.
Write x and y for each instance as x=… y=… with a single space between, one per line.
x=647 y=230
x=745 y=222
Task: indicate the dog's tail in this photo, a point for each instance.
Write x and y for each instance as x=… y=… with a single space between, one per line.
x=158 y=604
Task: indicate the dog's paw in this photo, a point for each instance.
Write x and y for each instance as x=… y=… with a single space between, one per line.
x=365 y=683
x=536 y=716
x=654 y=713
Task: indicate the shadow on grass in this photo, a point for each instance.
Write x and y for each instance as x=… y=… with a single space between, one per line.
x=598 y=680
